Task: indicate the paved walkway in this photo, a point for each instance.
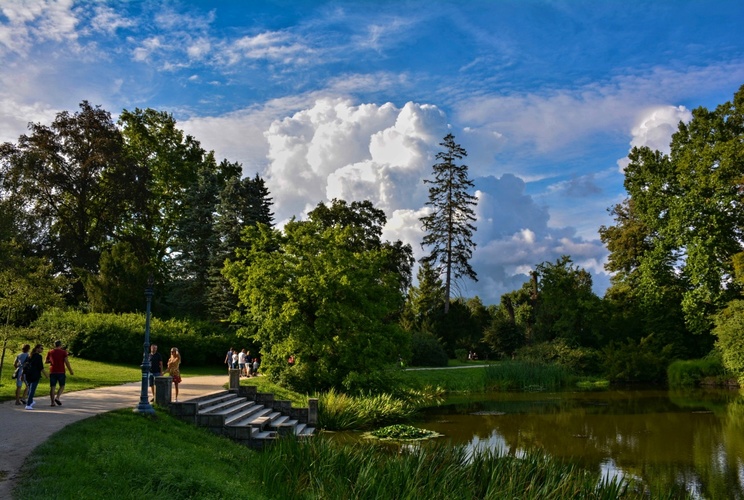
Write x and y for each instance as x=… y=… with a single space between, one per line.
x=21 y=431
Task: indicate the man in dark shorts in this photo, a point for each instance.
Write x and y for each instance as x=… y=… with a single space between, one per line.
x=156 y=368
x=57 y=357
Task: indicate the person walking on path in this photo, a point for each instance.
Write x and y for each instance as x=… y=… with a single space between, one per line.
x=20 y=379
x=156 y=368
x=58 y=360
x=228 y=359
x=174 y=368
x=33 y=370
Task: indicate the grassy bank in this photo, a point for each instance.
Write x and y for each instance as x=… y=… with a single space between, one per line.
x=133 y=456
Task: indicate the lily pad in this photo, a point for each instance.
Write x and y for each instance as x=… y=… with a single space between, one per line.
x=401 y=432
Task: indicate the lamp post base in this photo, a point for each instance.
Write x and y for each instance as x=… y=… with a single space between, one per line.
x=145 y=409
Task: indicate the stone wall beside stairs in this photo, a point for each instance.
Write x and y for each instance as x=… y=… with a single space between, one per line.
x=246 y=415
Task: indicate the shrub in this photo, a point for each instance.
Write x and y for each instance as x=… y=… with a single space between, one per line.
x=634 y=361
x=119 y=338
x=730 y=332
x=695 y=372
x=580 y=360
x=461 y=354
x=426 y=350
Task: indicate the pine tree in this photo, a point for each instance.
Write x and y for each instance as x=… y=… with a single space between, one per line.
x=449 y=229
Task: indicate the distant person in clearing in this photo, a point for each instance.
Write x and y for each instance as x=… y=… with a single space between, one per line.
x=57 y=358
x=174 y=368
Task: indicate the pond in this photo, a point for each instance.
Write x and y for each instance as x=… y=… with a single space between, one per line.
x=674 y=441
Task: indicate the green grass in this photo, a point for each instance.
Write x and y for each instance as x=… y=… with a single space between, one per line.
x=126 y=455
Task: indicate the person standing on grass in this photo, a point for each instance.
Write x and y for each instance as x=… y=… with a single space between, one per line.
x=156 y=368
x=33 y=370
x=174 y=368
x=57 y=358
x=20 y=379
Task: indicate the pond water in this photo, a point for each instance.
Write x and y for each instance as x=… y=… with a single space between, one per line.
x=674 y=441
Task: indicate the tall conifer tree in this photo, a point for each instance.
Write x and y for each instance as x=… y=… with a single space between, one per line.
x=449 y=229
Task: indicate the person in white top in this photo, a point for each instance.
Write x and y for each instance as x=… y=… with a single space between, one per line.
x=241 y=362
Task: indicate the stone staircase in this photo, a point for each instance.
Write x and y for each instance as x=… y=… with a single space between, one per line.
x=247 y=416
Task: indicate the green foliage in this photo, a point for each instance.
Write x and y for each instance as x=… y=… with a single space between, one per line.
x=340 y=411
x=426 y=350
x=632 y=361
x=504 y=335
x=681 y=227
x=119 y=338
x=403 y=432
x=730 y=333
x=566 y=307
x=449 y=229
x=526 y=376
x=461 y=354
x=325 y=292
x=319 y=468
x=696 y=372
x=580 y=360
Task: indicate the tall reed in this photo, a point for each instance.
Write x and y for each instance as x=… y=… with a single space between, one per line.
x=322 y=469
x=525 y=376
x=339 y=411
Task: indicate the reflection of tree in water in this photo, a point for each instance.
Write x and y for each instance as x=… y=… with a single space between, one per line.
x=697 y=446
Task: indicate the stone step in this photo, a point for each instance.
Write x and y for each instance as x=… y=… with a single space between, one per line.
x=247 y=412
x=255 y=419
x=305 y=432
x=213 y=402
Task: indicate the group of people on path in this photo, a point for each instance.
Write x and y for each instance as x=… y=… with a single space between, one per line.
x=243 y=361
x=29 y=369
x=173 y=368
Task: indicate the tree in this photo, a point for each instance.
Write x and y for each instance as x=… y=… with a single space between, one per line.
x=28 y=285
x=167 y=163
x=324 y=292
x=684 y=220
x=75 y=181
x=448 y=227
x=566 y=306
x=242 y=203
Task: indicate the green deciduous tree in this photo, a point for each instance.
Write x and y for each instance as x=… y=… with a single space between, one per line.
x=566 y=306
x=449 y=229
x=324 y=291
x=683 y=222
x=74 y=180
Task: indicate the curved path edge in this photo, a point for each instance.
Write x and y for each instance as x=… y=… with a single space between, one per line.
x=21 y=431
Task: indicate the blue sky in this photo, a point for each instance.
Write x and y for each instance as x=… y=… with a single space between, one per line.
x=351 y=99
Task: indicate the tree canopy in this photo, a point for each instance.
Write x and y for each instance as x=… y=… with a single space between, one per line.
x=322 y=290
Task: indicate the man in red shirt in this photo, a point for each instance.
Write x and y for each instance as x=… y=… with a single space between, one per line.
x=57 y=357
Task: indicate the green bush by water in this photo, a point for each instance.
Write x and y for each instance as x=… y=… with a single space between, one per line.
x=694 y=372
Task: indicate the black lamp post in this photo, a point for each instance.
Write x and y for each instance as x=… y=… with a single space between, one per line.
x=144 y=405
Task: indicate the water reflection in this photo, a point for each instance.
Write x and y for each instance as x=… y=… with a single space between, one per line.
x=673 y=441
x=683 y=442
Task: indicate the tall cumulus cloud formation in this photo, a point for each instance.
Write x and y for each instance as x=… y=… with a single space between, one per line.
x=382 y=153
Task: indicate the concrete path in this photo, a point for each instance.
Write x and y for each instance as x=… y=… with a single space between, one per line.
x=21 y=431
